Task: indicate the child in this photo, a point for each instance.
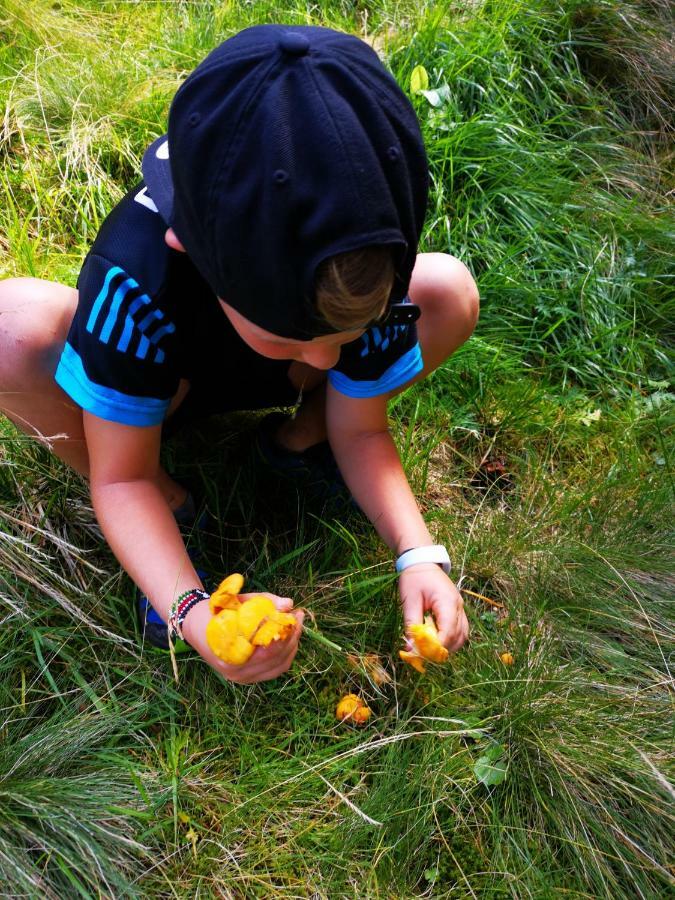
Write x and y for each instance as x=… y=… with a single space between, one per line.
x=271 y=251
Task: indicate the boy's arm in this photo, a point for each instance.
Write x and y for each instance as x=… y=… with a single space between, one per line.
x=359 y=436
x=134 y=516
x=358 y=431
x=143 y=534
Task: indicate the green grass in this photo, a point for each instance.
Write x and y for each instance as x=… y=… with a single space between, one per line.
x=550 y=153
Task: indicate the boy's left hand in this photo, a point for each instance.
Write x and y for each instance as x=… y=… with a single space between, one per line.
x=426 y=588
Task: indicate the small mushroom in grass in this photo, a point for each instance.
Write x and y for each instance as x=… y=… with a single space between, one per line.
x=352 y=709
x=371 y=665
x=507 y=658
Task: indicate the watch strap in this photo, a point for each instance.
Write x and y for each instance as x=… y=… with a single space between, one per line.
x=433 y=554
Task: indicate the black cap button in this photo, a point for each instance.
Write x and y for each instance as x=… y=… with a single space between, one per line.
x=294 y=43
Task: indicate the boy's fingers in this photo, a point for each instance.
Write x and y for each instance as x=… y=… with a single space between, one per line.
x=465 y=634
x=274 y=656
x=446 y=624
x=460 y=636
x=284 y=664
x=276 y=647
x=267 y=665
x=413 y=612
x=266 y=656
x=273 y=597
x=283 y=604
x=449 y=621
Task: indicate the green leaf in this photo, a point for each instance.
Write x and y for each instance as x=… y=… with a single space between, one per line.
x=490 y=768
x=419 y=80
x=494 y=752
x=431 y=874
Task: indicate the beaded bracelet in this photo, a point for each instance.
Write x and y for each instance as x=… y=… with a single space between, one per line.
x=180 y=607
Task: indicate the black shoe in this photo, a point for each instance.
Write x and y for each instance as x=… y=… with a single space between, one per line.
x=314 y=469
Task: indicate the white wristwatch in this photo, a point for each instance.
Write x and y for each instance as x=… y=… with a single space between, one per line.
x=434 y=554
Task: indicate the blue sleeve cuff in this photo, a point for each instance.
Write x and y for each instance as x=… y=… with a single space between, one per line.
x=103 y=401
x=404 y=369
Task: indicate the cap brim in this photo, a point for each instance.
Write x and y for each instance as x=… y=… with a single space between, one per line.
x=157 y=175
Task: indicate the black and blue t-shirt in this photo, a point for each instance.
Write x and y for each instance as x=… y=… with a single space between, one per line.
x=146 y=318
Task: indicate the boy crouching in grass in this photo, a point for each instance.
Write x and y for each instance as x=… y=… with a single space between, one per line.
x=277 y=221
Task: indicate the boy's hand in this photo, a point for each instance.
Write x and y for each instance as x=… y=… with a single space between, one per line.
x=426 y=588
x=265 y=663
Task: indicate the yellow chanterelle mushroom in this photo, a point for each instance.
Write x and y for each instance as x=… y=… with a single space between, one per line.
x=239 y=626
x=423 y=645
x=352 y=709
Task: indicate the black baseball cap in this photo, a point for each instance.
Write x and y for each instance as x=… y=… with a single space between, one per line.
x=286 y=146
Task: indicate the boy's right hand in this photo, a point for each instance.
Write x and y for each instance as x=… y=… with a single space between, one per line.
x=265 y=663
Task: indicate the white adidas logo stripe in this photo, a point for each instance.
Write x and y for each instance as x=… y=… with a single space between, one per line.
x=146 y=200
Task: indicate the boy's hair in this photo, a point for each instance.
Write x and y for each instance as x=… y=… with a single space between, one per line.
x=353 y=288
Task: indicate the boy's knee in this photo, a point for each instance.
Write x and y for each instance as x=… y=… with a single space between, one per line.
x=447 y=290
x=34 y=318
x=468 y=299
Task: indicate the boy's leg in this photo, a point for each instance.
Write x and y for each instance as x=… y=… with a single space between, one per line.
x=446 y=293
x=308 y=426
x=35 y=316
x=34 y=320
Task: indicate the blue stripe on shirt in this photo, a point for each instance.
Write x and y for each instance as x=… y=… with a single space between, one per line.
x=405 y=368
x=100 y=300
x=129 y=323
x=103 y=401
x=113 y=312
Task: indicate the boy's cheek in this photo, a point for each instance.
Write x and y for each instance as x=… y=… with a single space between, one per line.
x=276 y=352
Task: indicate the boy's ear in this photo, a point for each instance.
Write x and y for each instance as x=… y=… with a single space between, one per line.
x=172 y=240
